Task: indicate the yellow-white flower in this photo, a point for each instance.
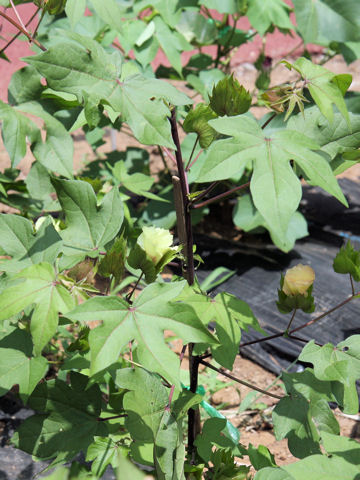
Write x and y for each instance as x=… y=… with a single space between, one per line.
x=298 y=279
x=156 y=242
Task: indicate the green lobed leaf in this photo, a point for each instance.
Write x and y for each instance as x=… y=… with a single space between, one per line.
x=272 y=473
x=325 y=87
x=67 y=417
x=340 y=365
x=15 y=128
x=110 y=12
x=263 y=15
x=320 y=467
x=137 y=182
x=348 y=261
x=315 y=19
x=39 y=286
x=334 y=138
x=57 y=151
x=145 y=322
x=17 y=368
x=74 y=10
x=222 y=6
x=26 y=247
x=212 y=434
x=102 y=452
x=150 y=419
x=231 y=316
x=25 y=86
x=83 y=66
x=275 y=188
x=145 y=403
x=171 y=43
x=196 y=28
x=247 y=217
x=89 y=227
x=293 y=420
x=347 y=448
x=260 y=457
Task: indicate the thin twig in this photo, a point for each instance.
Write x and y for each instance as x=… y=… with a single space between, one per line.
x=290 y=333
x=291 y=319
x=17 y=15
x=194 y=161
x=206 y=191
x=221 y=195
x=304 y=340
x=264 y=339
x=161 y=153
x=19 y=33
x=103 y=419
x=129 y=295
x=242 y=382
x=19 y=27
x=352 y=284
x=269 y=120
x=170 y=155
x=192 y=153
x=323 y=314
x=38 y=25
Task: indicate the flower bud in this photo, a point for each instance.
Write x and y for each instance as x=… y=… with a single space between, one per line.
x=53 y=7
x=155 y=242
x=298 y=279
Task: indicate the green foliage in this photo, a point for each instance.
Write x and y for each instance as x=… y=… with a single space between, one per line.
x=144 y=320
x=67 y=418
x=275 y=188
x=73 y=256
x=348 y=261
x=340 y=365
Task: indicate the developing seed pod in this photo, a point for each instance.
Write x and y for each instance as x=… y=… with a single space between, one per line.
x=52 y=7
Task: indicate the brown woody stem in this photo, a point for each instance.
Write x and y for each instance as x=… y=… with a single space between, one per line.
x=220 y=196
x=242 y=382
x=27 y=34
